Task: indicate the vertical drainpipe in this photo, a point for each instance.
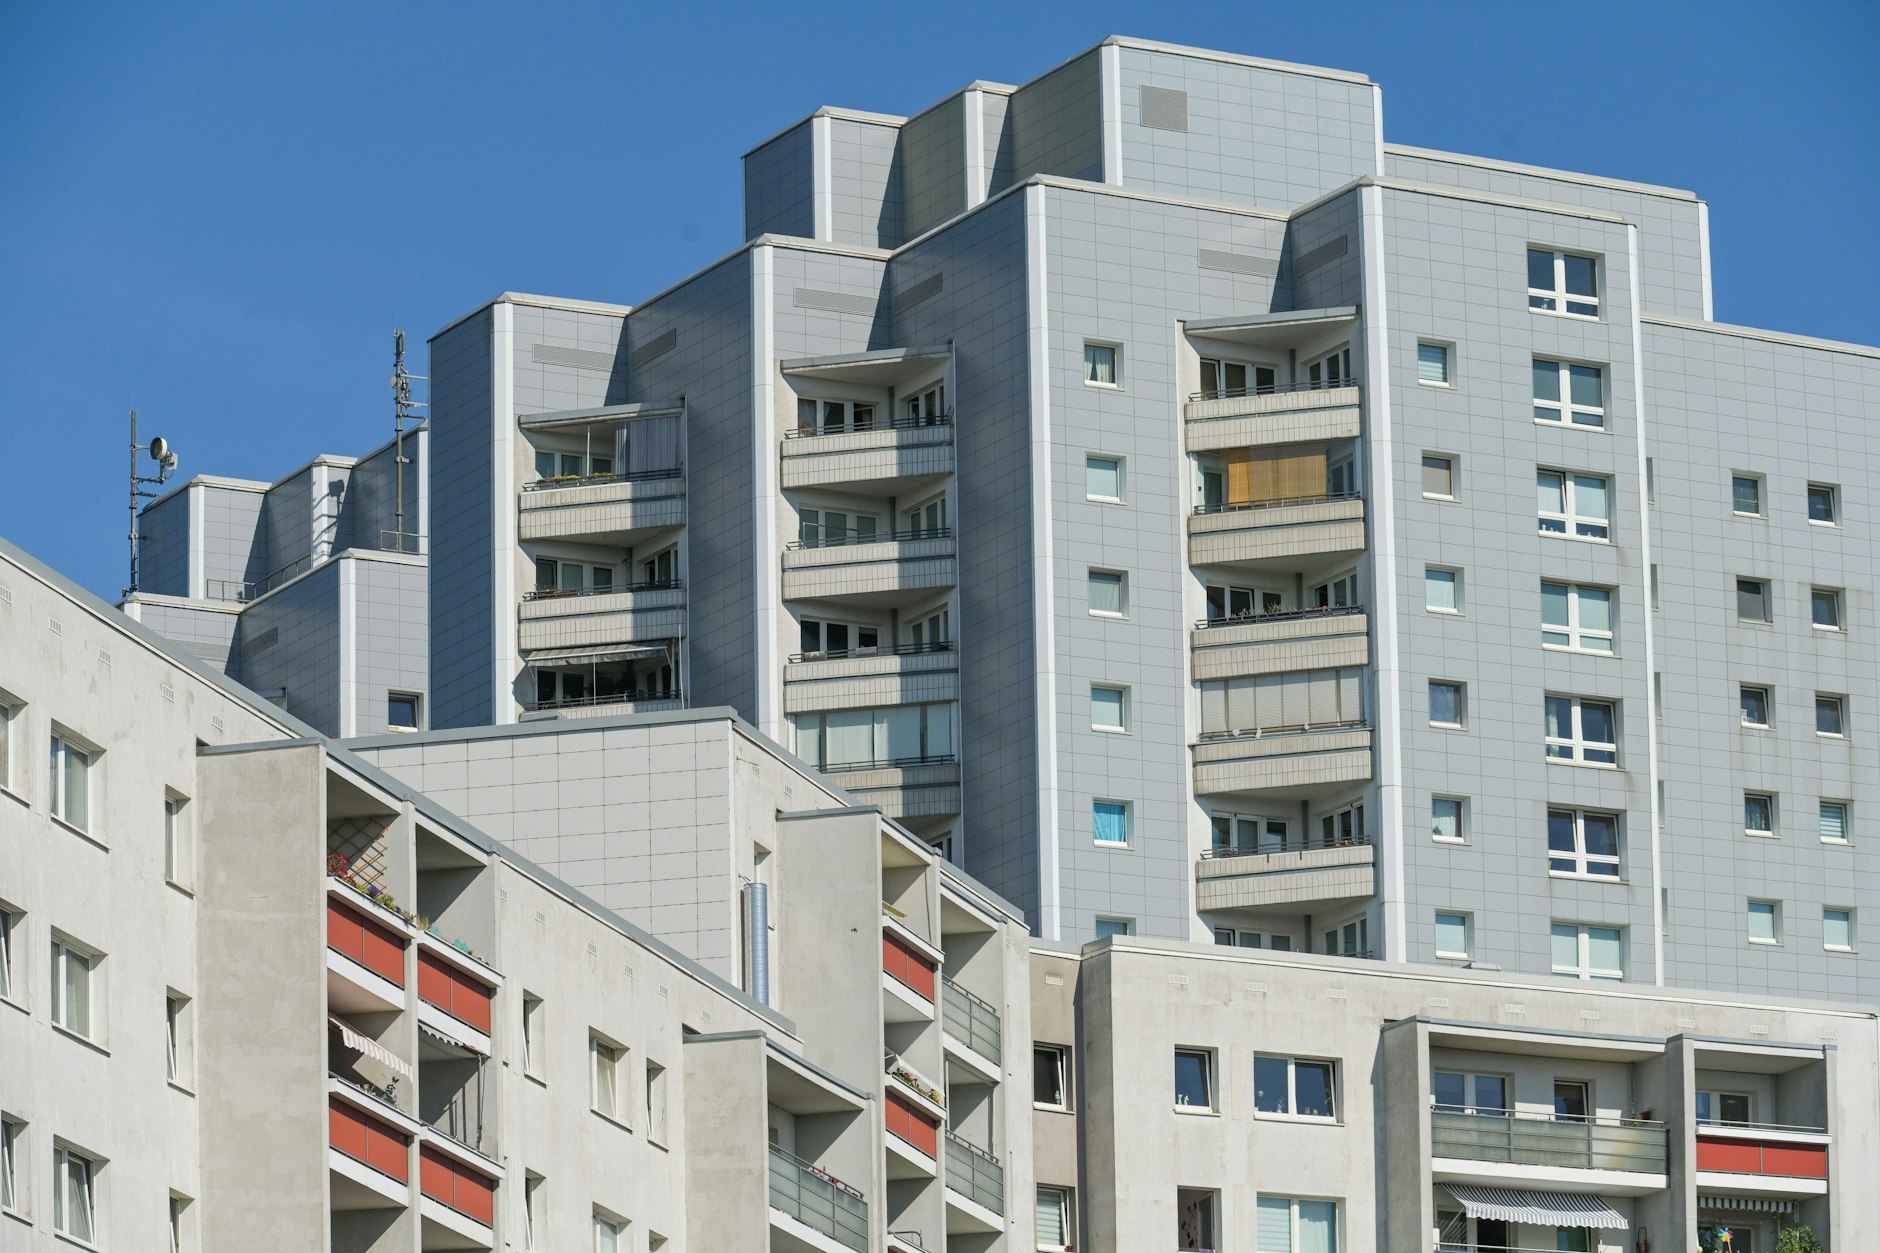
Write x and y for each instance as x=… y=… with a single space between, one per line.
x=1043 y=597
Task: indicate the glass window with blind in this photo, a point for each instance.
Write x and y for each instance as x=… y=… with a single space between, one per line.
x=1837 y=929
x=1563 y=282
x=1433 y=363
x=1575 y=505
x=1102 y=364
x=1833 y=822
x=1107 y=593
x=1295 y=1225
x=1442 y=589
x=849 y=739
x=1576 y=616
x=1569 y=394
x=1293 y=701
x=1103 y=478
x=1054 y=1230
x=1109 y=821
x=1439 y=476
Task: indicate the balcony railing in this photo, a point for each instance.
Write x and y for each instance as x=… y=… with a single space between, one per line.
x=849 y=540
x=1267 y=733
x=895 y=424
x=589 y=480
x=558 y=593
x=971 y=1021
x=1543 y=1140
x=818 y=1199
x=889 y=763
x=618 y=698
x=975 y=1174
x=878 y=650
x=1289 y=615
x=1300 y=845
x=1277 y=502
x=1271 y=389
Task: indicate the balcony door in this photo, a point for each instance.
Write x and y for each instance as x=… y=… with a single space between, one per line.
x=1226 y=601
x=1238 y=833
x=1221 y=378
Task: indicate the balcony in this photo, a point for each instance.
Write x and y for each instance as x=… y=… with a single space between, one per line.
x=455 y=992
x=1305 y=873
x=975 y=1189
x=1762 y=1160
x=636 y=701
x=638 y=613
x=913 y=1137
x=369 y=1149
x=1300 y=526
x=909 y=971
x=970 y=1032
x=1295 y=758
x=908 y=787
x=1272 y=643
x=1260 y=417
x=1623 y=1156
x=914 y=1087
x=456 y=1194
x=619 y=509
x=365 y=953
x=811 y=1209
x=862 y=678
x=905 y=449
x=882 y=570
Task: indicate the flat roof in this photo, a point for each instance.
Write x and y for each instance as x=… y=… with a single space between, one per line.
x=1540 y=171
x=537 y=302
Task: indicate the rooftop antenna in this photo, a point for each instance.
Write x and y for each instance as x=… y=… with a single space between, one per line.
x=404 y=410
x=159 y=450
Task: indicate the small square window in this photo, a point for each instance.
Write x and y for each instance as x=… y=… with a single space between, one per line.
x=1755 y=705
x=1442 y=589
x=1765 y=922
x=1102 y=364
x=401 y=708
x=1752 y=600
x=1830 y=715
x=1107 y=927
x=1824 y=505
x=1108 y=593
x=1439 y=476
x=1824 y=608
x=1194 y=1079
x=1109 y=708
x=1447 y=818
x=1433 y=363
x=1447 y=703
x=1109 y=821
x=1837 y=929
x=1759 y=814
x=1833 y=822
x=1746 y=492
x=1452 y=934
x=1103 y=479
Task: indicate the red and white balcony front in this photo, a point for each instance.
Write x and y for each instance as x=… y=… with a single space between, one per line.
x=457 y=1194
x=365 y=953
x=455 y=993
x=910 y=969
x=1762 y=1161
x=369 y=1149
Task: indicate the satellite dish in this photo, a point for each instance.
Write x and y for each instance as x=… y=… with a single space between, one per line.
x=158 y=447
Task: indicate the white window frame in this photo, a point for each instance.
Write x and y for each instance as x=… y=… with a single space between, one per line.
x=179 y=1040
x=1768 y=800
x=1833 y=493
x=1122 y=593
x=1067 y=1215
x=1574 y=524
x=1833 y=597
x=1455 y=473
x=1447 y=352
x=1580 y=637
x=1209 y=1080
x=1759 y=483
x=1124 y=926
x=1472 y=1102
x=1565 y=410
x=1462 y=819
x=1847 y=815
x=610 y=1228
x=9 y=743
x=417 y=711
x=1122 y=708
x=1585 y=971
x=1455 y=589
x=1291 y=1112
x=63 y=952
x=1851 y=915
x=1122 y=480
x=67 y=1163
x=1773 y=912
x=657 y=1099
x=179 y=848
x=1292 y=1205
x=1468 y=934
x=1092 y=366
x=534 y=1047
x=13 y=1197
x=531 y=1211
x=1714 y=1097
x=1582 y=861
x=1831 y=701
x=1768 y=703
x=11 y=985
x=1462 y=704
x=65 y=745
x=1063 y=1055
x=1129 y=822
x=1558 y=295
x=608 y=1062
x=1578 y=748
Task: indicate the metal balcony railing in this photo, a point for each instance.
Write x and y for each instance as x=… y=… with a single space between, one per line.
x=617 y=698
x=889 y=763
x=1287 y=615
x=874 y=650
x=975 y=1174
x=1277 y=502
x=589 y=480
x=1300 y=845
x=558 y=593
x=971 y=1021
x=818 y=1199
x=895 y=424
x=1544 y=1140
x=1271 y=389
x=1267 y=733
x=849 y=539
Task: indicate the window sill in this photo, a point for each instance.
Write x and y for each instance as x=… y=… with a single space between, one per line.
x=1578 y=877
x=1447 y=613
x=1756 y=726
x=1197 y=1111
x=1108 y=387
x=1448 y=387
x=87 y=1041
x=1577 y=539
x=184 y=888
x=1111 y=730
x=1834 y=843
x=1309 y=1120
x=186 y=1091
x=18 y=1216
x=1111 y=845
x=536 y=1079
x=1104 y=613
x=609 y=1118
x=1829 y=735
x=1583 y=765
x=1838 y=948
x=1826 y=526
x=1749 y=517
x=1435 y=496
x=74 y=1241
x=1042 y=1108
x=1602 y=428
x=1765 y=943
x=1449 y=839
x=1825 y=630
x=1562 y=313
x=1582 y=652
x=81 y=833
x=1447 y=726
x=11 y=795
x=1106 y=500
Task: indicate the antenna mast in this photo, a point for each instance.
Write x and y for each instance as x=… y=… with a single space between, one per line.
x=159 y=450
x=404 y=409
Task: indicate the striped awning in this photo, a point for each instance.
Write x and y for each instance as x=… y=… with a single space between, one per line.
x=360 y=1043
x=599 y=655
x=1549 y=1209
x=1746 y=1204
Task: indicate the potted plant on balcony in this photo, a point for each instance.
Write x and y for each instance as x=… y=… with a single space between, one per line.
x=1800 y=1238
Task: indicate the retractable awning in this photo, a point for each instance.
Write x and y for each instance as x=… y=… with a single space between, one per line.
x=365 y=1044
x=597 y=655
x=1548 y=1209
x=1746 y=1204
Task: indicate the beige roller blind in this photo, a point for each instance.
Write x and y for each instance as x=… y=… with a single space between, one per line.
x=1287 y=474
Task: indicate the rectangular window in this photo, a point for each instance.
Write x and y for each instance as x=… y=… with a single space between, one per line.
x=832 y=528
x=1765 y=922
x=853 y=739
x=1585 y=732
x=1290 y=1225
x=534 y=1043
x=1351 y=940
x=176 y=1039
x=1050 y=1076
x=532 y=1224
x=401 y=708
x=1109 y=708
x=1102 y=364
x=1573 y=504
x=608 y=1234
x=1837 y=929
x=1233 y=937
x=178 y=849
x=1110 y=822
x=1759 y=814
x=655 y=1103
x=1581 y=842
x=1452 y=934
x=1824 y=505
x=1448 y=703
x=1107 y=927
x=12 y=1182
x=607 y=1078
x=1446 y=819
x=1752 y=600
x=7 y=711
x=1830 y=715
x=1433 y=363
x=9 y=942
x=1294 y=1086
x=1471 y=1094
x=1331 y=370
x=1108 y=593
x=1227 y=601
x=1577 y=616
x=1754 y=702
x=1562 y=282
x=71 y=782
x=1746 y=495
x=1439 y=476
x=72 y=971
x=1724 y=1109
x=74 y=1199
x=1824 y=607
x=1569 y=394
x=1221 y=379
x=1442 y=590
x=1833 y=822
x=1054 y=1219
x=821 y=640
x=1194 y=1079
x=1103 y=478
x=1588 y=952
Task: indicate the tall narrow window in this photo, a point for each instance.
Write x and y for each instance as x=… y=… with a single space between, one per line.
x=534 y=1046
x=176 y=1038
x=1569 y=394
x=606 y=1094
x=72 y=971
x=71 y=782
x=74 y=1199
x=177 y=846
x=532 y=1224
x=9 y=925
x=7 y=711
x=655 y=1103
x=12 y=1186
x=1562 y=282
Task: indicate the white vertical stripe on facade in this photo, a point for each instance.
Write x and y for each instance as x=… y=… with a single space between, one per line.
x=197 y=570
x=319 y=536
x=1703 y=253
x=1377 y=118
x=822 y=179
x=1110 y=72
x=767 y=550
x=973 y=111
x=423 y=478
x=1381 y=516
x=1043 y=596
x=1645 y=598
x=506 y=661
x=349 y=649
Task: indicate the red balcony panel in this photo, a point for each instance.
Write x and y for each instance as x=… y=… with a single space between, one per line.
x=454 y=992
x=365 y=1139
x=1757 y=1157
x=379 y=949
x=452 y=1183
x=912 y=1125
x=1801 y=1161
x=901 y=961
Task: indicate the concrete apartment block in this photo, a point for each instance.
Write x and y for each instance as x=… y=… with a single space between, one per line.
x=1104 y=475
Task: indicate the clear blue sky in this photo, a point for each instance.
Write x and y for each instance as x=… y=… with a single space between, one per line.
x=219 y=212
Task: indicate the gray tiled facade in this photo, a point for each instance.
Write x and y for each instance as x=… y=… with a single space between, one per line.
x=1182 y=206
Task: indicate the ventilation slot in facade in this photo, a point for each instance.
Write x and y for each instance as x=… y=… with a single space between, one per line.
x=1307 y=262
x=1164 y=108
x=579 y=358
x=655 y=348
x=924 y=290
x=833 y=301
x=264 y=641
x=1237 y=263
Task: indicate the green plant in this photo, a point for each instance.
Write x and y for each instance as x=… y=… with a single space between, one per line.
x=1800 y=1238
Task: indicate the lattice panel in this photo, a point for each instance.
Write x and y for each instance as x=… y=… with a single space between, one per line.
x=362 y=842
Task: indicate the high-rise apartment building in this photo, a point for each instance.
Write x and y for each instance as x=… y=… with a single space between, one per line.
x=1207 y=520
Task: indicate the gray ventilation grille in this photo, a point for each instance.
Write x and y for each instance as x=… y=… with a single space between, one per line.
x=655 y=348
x=833 y=302
x=924 y=290
x=1237 y=263
x=1164 y=108
x=264 y=641
x=579 y=358
x=1307 y=262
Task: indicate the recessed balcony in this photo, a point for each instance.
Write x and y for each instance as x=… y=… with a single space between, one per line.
x=455 y=993
x=970 y=1033
x=1273 y=643
x=811 y=1211
x=880 y=570
x=871 y=678
x=1261 y=417
x=1762 y=1160
x=911 y=787
x=1619 y=1156
x=975 y=1189
x=906 y=449
x=635 y=613
x=1296 y=759
x=1314 y=872
x=369 y=1149
x=365 y=953
x=909 y=974
x=1253 y=532
x=619 y=509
